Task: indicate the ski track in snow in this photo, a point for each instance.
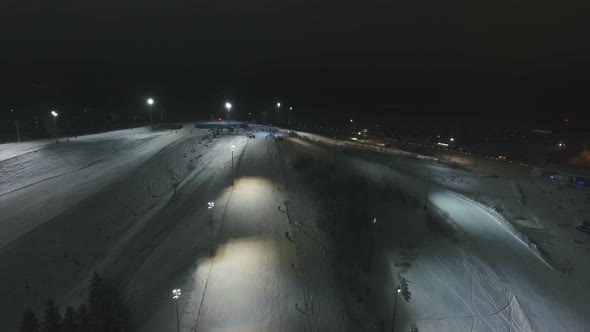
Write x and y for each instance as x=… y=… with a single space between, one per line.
x=211 y=266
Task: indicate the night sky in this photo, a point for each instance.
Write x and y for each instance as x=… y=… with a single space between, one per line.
x=506 y=58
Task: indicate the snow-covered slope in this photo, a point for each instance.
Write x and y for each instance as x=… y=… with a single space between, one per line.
x=492 y=279
x=55 y=231
x=133 y=206
x=37 y=185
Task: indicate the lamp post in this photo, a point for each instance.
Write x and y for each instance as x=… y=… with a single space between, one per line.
x=228 y=107
x=16 y=124
x=232 y=164
x=335 y=147
x=211 y=205
x=398 y=290
x=278 y=110
x=426 y=194
x=290 y=111
x=150 y=103
x=175 y=296
x=54 y=113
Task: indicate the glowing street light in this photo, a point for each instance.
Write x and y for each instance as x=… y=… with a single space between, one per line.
x=210 y=207
x=452 y=139
x=228 y=108
x=150 y=103
x=175 y=295
x=54 y=113
x=398 y=290
x=278 y=110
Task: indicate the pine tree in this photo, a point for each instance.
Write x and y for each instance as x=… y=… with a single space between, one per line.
x=29 y=322
x=52 y=318
x=83 y=320
x=70 y=323
x=121 y=315
x=108 y=312
x=96 y=297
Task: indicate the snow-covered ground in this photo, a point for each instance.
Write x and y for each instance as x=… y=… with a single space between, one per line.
x=37 y=184
x=494 y=278
x=64 y=205
x=147 y=228
x=133 y=206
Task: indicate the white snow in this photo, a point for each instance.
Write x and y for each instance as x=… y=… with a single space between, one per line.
x=40 y=180
x=133 y=205
x=493 y=279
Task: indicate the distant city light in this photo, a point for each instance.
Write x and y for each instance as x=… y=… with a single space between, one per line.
x=399 y=289
x=452 y=139
x=54 y=113
x=211 y=205
x=150 y=101
x=359 y=133
x=228 y=106
x=175 y=293
x=278 y=104
x=443 y=144
x=354 y=138
x=350 y=120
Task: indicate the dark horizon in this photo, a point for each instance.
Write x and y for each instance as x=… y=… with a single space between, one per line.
x=524 y=62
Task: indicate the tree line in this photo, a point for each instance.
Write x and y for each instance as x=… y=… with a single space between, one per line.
x=105 y=311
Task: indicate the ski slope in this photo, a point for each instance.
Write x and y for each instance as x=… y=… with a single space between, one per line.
x=38 y=180
x=248 y=284
x=133 y=206
x=493 y=279
x=58 y=227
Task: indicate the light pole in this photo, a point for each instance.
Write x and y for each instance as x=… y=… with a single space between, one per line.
x=290 y=111
x=175 y=296
x=211 y=205
x=228 y=107
x=16 y=124
x=335 y=147
x=398 y=290
x=426 y=194
x=232 y=164
x=278 y=110
x=150 y=103
x=54 y=113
